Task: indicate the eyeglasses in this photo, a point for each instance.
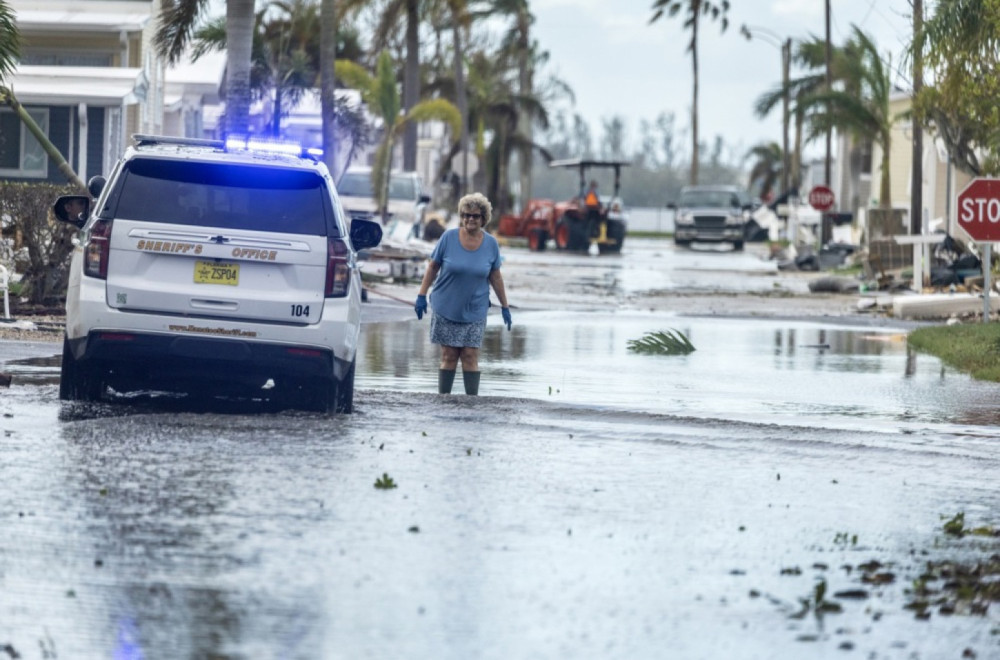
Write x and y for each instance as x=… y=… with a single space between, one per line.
x=472 y=216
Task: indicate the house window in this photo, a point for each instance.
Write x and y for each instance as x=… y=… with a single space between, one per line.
x=866 y=157
x=21 y=155
x=67 y=59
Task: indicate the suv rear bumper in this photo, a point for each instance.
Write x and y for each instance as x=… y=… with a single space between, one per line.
x=129 y=360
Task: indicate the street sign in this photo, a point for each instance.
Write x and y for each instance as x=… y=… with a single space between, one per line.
x=821 y=198
x=979 y=209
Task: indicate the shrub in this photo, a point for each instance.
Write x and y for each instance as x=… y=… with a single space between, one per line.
x=41 y=245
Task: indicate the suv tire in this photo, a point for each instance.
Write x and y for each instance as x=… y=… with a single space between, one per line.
x=75 y=383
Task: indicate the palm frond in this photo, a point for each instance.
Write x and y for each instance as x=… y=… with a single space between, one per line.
x=662 y=342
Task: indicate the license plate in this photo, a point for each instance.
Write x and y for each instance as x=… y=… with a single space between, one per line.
x=211 y=272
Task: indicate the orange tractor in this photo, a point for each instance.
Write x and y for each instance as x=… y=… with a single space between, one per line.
x=571 y=224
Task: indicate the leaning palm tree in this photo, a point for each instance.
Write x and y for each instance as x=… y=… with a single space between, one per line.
x=382 y=96
x=694 y=10
x=178 y=21
x=10 y=53
x=861 y=107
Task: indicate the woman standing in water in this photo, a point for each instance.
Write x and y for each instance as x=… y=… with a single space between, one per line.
x=464 y=265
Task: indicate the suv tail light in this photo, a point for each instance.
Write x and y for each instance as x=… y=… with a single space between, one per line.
x=95 y=262
x=338 y=268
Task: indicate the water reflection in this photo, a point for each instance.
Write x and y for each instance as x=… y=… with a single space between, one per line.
x=763 y=370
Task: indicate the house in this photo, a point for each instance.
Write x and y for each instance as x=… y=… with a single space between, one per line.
x=90 y=78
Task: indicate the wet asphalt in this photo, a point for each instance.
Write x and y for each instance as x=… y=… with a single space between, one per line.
x=591 y=503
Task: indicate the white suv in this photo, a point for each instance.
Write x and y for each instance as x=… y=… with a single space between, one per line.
x=406 y=204
x=214 y=268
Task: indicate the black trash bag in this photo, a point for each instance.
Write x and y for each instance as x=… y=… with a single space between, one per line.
x=943 y=276
x=967 y=261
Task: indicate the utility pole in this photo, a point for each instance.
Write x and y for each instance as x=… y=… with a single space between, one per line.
x=829 y=87
x=917 y=173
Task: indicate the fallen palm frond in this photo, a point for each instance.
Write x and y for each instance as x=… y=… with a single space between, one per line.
x=662 y=342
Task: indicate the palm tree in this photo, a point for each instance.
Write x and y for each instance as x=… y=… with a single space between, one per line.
x=861 y=107
x=409 y=11
x=328 y=82
x=178 y=21
x=10 y=41
x=695 y=9
x=767 y=167
x=10 y=53
x=517 y=41
x=285 y=54
x=382 y=96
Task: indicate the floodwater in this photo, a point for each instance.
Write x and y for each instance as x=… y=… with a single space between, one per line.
x=592 y=503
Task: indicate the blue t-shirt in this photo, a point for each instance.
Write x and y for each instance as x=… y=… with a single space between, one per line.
x=462 y=288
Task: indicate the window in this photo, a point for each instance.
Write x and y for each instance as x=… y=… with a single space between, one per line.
x=21 y=155
x=224 y=195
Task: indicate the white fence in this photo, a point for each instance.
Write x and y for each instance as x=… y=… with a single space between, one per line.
x=650 y=219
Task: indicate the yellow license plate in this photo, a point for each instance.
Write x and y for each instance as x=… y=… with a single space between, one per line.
x=211 y=272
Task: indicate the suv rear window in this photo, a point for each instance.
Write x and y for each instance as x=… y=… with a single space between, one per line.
x=224 y=195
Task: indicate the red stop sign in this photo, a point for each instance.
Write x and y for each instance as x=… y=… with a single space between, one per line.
x=979 y=209
x=821 y=198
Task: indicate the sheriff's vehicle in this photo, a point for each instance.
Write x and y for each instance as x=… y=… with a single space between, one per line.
x=214 y=268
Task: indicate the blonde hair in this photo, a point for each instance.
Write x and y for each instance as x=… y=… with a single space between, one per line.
x=476 y=202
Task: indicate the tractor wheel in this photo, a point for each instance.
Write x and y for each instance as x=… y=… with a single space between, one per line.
x=537 y=238
x=570 y=234
x=616 y=232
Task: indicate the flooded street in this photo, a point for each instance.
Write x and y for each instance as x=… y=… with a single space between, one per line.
x=593 y=503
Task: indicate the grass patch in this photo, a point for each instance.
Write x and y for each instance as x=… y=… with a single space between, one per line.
x=973 y=348
x=649 y=234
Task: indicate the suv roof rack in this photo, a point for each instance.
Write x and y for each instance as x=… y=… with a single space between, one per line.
x=142 y=140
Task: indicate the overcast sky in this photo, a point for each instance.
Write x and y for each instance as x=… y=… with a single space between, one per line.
x=618 y=64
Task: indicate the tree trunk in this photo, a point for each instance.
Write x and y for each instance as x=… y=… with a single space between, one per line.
x=328 y=83
x=695 y=156
x=463 y=108
x=50 y=149
x=239 y=39
x=526 y=86
x=917 y=180
x=885 y=190
x=411 y=83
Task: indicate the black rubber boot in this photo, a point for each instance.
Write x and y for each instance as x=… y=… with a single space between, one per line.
x=445 y=378
x=471 y=380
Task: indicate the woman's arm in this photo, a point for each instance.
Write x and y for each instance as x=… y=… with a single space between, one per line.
x=432 y=270
x=496 y=281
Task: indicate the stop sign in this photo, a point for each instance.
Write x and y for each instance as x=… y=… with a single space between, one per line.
x=979 y=209
x=821 y=198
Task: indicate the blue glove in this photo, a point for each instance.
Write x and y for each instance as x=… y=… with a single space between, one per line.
x=505 y=312
x=420 y=306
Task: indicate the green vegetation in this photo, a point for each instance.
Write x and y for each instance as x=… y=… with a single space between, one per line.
x=385 y=482
x=650 y=234
x=663 y=342
x=973 y=348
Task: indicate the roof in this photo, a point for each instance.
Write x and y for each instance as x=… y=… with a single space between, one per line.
x=75 y=16
x=585 y=162
x=69 y=85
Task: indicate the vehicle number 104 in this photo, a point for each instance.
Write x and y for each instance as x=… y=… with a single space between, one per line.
x=300 y=310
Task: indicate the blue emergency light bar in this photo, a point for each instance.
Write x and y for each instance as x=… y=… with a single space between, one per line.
x=235 y=143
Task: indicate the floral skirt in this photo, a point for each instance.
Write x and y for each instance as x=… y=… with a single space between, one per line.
x=457 y=335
